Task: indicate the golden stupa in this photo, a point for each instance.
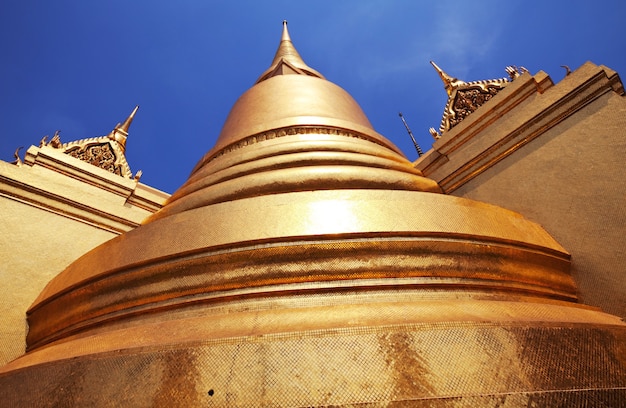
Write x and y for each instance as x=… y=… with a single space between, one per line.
x=306 y=262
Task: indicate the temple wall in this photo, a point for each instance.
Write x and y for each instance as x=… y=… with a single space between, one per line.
x=567 y=174
x=572 y=180
x=53 y=209
x=36 y=244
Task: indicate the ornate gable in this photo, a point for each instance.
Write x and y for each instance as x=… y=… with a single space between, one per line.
x=106 y=152
x=100 y=152
x=465 y=97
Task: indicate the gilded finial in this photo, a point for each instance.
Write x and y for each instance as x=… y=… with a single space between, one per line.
x=448 y=82
x=285 y=36
x=287 y=60
x=126 y=125
x=120 y=132
x=286 y=50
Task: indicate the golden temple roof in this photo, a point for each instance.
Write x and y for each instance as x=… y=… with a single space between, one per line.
x=106 y=152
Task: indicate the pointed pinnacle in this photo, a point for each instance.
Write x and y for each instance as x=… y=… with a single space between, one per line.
x=285 y=36
x=120 y=132
x=448 y=82
x=286 y=50
x=126 y=125
x=287 y=55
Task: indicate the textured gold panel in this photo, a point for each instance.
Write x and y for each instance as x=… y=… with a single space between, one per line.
x=444 y=364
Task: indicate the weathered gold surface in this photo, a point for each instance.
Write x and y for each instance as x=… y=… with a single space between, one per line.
x=413 y=363
x=307 y=263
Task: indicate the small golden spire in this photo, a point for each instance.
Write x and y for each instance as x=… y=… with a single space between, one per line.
x=120 y=132
x=287 y=60
x=448 y=82
x=126 y=125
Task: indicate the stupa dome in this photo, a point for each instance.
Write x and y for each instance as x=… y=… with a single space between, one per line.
x=293 y=100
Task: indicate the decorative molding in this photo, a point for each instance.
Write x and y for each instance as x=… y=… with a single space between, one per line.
x=63 y=206
x=54 y=181
x=289 y=131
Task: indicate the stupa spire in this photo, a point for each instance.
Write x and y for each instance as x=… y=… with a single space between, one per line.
x=448 y=82
x=286 y=49
x=287 y=60
x=285 y=36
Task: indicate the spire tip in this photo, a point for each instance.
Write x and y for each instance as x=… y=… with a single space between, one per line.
x=126 y=125
x=285 y=36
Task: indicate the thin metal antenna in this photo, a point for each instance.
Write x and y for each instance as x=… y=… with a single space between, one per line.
x=417 y=147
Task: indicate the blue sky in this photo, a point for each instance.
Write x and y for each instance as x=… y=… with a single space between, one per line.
x=81 y=66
